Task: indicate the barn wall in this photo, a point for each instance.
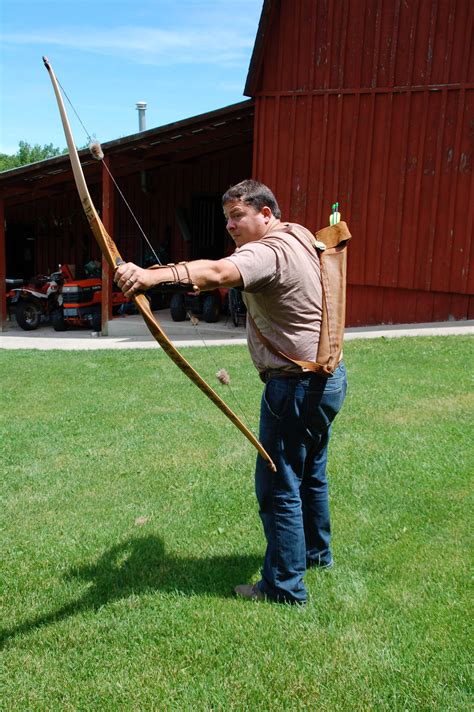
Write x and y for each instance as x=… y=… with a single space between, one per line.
x=157 y=196
x=55 y=229
x=46 y=232
x=371 y=103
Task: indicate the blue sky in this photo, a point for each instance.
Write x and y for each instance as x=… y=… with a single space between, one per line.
x=183 y=57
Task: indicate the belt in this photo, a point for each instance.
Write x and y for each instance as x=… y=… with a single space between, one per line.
x=270 y=373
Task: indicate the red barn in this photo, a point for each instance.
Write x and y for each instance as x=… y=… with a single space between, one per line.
x=371 y=103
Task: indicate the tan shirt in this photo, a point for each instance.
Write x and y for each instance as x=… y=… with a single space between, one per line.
x=283 y=294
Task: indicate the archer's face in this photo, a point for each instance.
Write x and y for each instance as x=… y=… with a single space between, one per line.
x=245 y=223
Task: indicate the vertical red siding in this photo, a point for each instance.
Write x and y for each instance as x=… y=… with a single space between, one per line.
x=371 y=103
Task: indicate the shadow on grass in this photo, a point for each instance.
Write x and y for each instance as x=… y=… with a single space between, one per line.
x=141 y=565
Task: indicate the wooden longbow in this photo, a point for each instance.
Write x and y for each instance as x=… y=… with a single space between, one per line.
x=114 y=259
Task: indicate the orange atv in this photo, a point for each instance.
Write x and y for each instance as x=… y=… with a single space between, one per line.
x=82 y=300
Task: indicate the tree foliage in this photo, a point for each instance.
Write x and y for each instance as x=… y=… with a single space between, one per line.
x=28 y=154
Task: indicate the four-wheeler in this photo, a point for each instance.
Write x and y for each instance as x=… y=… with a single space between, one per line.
x=82 y=300
x=36 y=301
x=61 y=300
x=209 y=305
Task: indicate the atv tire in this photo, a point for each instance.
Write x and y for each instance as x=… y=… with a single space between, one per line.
x=236 y=306
x=28 y=315
x=58 y=321
x=211 y=308
x=178 y=307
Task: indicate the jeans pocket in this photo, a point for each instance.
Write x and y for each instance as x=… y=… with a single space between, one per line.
x=322 y=407
x=276 y=396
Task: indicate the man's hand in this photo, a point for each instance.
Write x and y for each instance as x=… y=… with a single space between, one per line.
x=132 y=279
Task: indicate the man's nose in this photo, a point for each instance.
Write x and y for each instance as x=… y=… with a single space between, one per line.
x=230 y=225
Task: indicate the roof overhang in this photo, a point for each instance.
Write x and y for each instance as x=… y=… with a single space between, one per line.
x=181 y=141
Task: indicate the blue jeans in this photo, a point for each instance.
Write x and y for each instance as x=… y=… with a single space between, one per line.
x=295 y=426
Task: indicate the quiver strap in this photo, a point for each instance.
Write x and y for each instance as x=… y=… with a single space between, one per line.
x=331 y=246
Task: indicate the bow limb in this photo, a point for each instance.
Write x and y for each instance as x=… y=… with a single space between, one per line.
x=113 y=257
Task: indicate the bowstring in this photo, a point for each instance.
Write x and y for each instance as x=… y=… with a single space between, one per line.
x=90 y=139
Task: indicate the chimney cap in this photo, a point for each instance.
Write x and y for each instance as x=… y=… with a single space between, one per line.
x=141 y=104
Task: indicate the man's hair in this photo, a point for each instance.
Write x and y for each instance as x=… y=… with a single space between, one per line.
x=253 y=193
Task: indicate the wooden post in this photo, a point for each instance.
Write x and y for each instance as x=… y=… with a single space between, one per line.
x=3 y=269
x=108 y=220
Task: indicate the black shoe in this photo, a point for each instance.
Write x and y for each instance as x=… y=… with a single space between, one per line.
x=253 y=593
x=250 y=592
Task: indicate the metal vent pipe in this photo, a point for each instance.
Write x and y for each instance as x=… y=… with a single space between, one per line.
x=141 y=106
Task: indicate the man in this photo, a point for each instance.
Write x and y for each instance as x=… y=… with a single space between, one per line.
x=278 y=269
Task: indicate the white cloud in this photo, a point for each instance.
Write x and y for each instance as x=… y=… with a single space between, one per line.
x=147 y=45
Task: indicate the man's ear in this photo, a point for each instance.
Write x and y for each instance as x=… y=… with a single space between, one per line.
x=267 y=213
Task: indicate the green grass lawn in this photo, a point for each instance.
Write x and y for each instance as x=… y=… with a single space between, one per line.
x=128 y=516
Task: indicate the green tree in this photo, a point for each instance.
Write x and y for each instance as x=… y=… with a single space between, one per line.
x=28 y=154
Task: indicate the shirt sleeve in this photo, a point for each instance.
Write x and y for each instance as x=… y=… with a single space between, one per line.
x=257 y=264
